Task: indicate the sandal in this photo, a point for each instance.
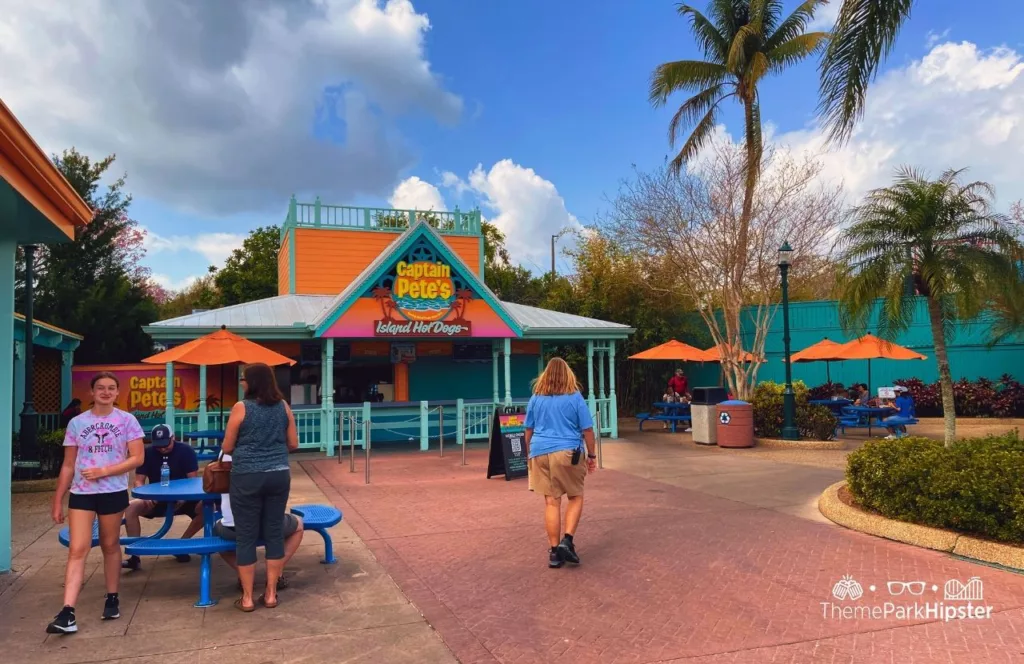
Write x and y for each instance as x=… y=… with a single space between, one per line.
x=245 y=609
x=263 y=600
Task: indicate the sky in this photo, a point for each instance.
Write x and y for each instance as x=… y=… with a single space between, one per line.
x=532 y=111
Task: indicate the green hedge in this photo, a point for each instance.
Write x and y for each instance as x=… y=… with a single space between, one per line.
x=813 y=422
x=976 y=486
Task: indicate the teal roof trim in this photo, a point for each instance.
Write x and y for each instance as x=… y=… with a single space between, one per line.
x=379 y=268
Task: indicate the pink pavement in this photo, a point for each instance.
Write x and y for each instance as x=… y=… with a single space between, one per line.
x=667 y=574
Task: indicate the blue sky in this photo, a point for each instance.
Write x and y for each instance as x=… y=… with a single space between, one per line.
x=559 y=88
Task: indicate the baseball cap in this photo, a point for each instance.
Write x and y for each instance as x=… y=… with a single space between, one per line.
x=900 y=388
x=161 y=435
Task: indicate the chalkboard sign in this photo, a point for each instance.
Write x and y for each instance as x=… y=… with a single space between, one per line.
x=507 y=454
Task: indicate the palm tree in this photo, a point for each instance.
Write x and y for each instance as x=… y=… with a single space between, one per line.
x=939 y=235
x=743 y=41
x=863 y=36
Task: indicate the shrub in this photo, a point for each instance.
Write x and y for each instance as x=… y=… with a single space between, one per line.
x=980 y=398
x=814 y=422
x=975 y=486
x=824 y=391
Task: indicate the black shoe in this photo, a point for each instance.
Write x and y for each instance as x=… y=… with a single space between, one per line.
x=64 y=623
x=134 y=563
x=183 y=557
x=567 y=552
x=111 y=608
x=555 y=559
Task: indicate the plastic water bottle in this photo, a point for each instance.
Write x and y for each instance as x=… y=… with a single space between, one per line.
x=165 y=474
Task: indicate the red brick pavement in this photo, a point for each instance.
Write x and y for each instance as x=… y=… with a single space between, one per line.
x=668 y=574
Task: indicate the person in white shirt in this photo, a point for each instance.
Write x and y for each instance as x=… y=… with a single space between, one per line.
x=225 y=528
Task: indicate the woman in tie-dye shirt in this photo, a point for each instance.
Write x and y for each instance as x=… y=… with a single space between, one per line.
x=101 y=446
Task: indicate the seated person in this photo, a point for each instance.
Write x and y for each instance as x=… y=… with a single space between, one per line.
x=669 y=397
x=678 y=386
x=904 y=403
x=225 y=528
x=181 y=459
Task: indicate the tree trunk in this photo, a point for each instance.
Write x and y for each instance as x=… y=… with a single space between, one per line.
x=945 y=377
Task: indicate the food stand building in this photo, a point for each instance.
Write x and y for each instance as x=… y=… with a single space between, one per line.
x=389 y=319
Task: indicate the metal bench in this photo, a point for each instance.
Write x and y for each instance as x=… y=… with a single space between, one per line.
x=674 y=419
x=64 y=535
x=319 y=518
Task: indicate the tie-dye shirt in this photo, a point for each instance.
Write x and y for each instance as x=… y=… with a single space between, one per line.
x=101 y=441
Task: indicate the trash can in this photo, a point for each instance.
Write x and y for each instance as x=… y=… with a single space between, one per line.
x=702 y=412
x=735 y=424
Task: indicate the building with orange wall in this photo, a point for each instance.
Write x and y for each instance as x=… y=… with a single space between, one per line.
x=390 y=321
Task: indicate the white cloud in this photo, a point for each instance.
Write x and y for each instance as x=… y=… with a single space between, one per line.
x=526 y=207
x=214 y=247
x=170 y=284
x=416 y=194
x=825 y=16
x=933 y=38
x=225 y=106
x=958 y=106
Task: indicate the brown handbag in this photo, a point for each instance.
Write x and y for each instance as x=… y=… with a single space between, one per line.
x=217 y=476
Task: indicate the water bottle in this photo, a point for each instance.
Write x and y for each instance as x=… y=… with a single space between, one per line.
x=165 y=474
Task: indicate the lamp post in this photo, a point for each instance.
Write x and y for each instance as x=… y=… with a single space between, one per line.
x=789 y=430
x=554 y=239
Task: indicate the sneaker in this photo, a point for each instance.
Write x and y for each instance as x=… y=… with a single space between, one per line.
x=687 y=430
x=567 y=552
x=111 y=608
x=555 y=558
x=134 y=563
x=64 y=623
x=183 y=557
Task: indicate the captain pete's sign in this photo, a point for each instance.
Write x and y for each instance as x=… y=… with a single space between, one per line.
x=422 y=302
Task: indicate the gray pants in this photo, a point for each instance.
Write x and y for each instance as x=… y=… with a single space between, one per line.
x=258 y=503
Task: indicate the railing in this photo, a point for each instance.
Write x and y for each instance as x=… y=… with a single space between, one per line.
x=47 y=421
x=605 y=408
x=318 y=215
x=308 y=423
x=475 y=419
x=348 y=416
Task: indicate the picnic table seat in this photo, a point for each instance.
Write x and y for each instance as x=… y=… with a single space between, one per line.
x=319 y=518
x=64 y=535
x=674 y=419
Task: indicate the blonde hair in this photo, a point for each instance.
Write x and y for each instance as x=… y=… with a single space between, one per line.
x=557 y=378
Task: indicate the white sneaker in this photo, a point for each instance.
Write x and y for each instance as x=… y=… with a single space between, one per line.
x=891 y=437
x=687 y=430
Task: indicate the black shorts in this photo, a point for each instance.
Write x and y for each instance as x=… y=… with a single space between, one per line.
x=100 y=503
x=187 y=508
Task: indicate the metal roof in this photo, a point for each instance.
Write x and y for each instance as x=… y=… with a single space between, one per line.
x=301 y=311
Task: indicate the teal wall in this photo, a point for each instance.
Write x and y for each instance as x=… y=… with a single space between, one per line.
x=442 y=378
x=969 y=357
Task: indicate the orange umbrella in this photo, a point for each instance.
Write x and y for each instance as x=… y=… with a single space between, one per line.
x=715 y=353
x=869 y=347
x=220 y=347
x=824 y=350
x=671 y=350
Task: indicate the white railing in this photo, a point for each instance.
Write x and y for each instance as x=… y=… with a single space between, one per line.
x=475 y=420
x=346 y=417
x=308 y=423
x=47 y=421
x=605 y=408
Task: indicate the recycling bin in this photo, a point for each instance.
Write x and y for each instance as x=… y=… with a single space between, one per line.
x=735 y=423
x=702 y=412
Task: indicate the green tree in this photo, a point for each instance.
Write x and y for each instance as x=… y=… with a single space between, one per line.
x=250 y=273
x=943 y=237
x=200 y=294
x=863 y=36
x=743 y=41
x=95 y=285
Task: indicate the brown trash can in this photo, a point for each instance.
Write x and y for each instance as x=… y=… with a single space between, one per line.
x=735 y=424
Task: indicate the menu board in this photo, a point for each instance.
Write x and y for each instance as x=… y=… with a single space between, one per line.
x=507 y=453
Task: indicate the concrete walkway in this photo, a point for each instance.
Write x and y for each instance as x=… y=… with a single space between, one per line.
x=689 y=555
x=351 y=611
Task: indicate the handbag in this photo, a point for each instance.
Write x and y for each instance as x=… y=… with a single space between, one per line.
x=217 y=475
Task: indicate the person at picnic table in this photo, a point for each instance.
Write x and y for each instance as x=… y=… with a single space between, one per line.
x=558 y=425
x=904 y=405
x=225 y=528
x=70 y=412
x=101 y=446
x=182 y=462
x=260 y=433
x=678 y=386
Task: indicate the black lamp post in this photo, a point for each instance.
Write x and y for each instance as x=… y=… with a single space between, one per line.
x=789 y=430
x=29 y=417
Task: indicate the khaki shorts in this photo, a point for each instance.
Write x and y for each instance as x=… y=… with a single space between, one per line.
x=554 y=475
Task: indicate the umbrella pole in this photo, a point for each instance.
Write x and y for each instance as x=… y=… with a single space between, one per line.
x=828 y=372
x=222 y=398
x=869 y=395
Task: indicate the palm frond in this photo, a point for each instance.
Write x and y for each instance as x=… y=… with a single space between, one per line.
x=864 y=34
x=695 y=108
x=794 y=25
x=683 y=75
x=796 y=49
x=710 y=40
x=699 y=137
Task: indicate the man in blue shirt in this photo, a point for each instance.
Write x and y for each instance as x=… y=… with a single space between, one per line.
x=182 y=462
x=904 y=403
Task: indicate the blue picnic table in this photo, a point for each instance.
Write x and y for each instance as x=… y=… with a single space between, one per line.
x=835 y=405
x=860 y=416
x=673 y=413
x=189 y=489
x=205 y=451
